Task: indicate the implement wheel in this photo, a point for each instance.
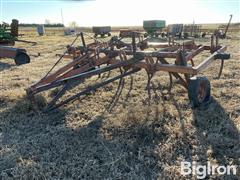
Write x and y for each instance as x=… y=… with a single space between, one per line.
x=199 y=91
x=22 y=58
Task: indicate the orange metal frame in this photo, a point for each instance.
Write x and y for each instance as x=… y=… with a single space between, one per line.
x=99 y=57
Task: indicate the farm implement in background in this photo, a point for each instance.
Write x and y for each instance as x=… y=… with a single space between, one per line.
x=175 y=30
x=98 y=57
x=192 y=30
x=220 y=32
x=101 y=30
x=154 y=28
x=9 y=34
x=19 y=55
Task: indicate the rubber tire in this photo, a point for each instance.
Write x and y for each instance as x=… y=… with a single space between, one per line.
x=109 y=34
x=193 y=91
x=22 y=58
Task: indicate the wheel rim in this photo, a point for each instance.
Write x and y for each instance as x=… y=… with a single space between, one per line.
x=202 y=92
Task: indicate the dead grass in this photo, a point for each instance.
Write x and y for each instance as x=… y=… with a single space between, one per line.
x=135 y=140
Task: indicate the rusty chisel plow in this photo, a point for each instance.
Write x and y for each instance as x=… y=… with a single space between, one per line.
x=98 y=57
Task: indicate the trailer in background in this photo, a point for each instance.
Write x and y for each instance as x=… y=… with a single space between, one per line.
x=154 y=28
x=192 y=30
x=175 y=30
x=101 y=30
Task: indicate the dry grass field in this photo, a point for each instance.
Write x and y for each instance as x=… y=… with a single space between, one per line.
x=112 y=135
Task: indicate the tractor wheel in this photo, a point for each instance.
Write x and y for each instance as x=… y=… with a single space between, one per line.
x=22 y=58
x=199 y=91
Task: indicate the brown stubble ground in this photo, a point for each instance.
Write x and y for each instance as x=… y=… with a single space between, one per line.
x=113 y=135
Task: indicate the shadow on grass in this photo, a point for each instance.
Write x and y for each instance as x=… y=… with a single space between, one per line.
x=217 y=138
x=4 y=65
x=55 y=146
x=217 y=132
x=35 y=145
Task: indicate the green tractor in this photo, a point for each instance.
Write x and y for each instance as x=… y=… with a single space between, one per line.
x=154 y=28
x=8 y=34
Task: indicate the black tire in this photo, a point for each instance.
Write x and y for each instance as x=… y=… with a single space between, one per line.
x=22 y=58
x=109 y=34
x=199 y=91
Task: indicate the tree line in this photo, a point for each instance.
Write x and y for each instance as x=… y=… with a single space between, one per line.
x=45 y=25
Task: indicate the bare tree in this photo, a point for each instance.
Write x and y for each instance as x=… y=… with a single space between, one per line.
x=73 y=24
x=47 y=21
